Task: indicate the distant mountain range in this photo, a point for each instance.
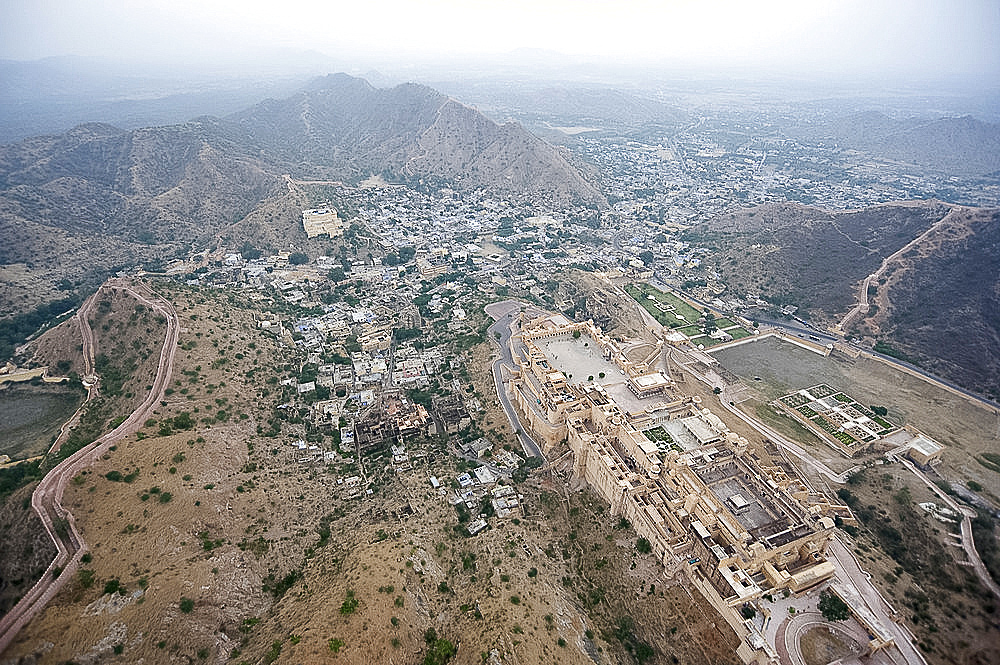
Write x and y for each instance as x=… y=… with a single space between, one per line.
x=97 y=196
x=955 y=145
x=55 y=94
x=541 y=106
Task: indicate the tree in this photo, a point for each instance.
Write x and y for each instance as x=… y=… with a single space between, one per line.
x=832 y=607
x=249 y=252
x=297 y=258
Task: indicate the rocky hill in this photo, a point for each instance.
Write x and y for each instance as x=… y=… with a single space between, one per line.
x=794 y=254
x=955 y=145
x=940 y=304
x=343 y=127
x=937 y=304
x=96 y=197
x=77 y=205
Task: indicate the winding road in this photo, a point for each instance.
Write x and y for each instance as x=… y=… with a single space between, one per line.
x=46 y=500
x=500 y=333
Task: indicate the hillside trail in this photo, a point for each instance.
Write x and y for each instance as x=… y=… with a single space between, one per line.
x=863 y=306
x=46 y=500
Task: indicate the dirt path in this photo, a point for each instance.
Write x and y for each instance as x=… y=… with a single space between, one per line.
x=863 y=306
x=46 y=500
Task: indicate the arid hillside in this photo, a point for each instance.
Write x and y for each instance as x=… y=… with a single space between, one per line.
x=127 y=335
x=79 y=206
x=937 y=303
x=940 y=301
x=212 y=541
x=76 y=207
x=343 y=127
x=793 y=254
x=956 y=145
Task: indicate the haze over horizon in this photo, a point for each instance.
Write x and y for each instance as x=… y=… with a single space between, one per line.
x=909 y=39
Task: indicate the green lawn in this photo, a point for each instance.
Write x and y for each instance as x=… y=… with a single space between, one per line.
x=680 y=306
x=806 y=411
x=705 y=340
x=845 y=438
x=691 y=331
x=724 y=323
x=658 y=434
x=737 y=333
x=884 y=424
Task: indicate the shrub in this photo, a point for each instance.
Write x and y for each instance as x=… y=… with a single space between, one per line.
x=350 y=604
x=85 y=577
x=832 y=607
x=187 y=605
x=273 y=653
x=441 y=652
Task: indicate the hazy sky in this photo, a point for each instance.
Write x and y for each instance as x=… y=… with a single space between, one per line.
x=936 y=37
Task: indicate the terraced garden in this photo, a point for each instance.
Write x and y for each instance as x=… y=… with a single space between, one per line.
x=836 y=415
x=668 y=309
x=672 y=311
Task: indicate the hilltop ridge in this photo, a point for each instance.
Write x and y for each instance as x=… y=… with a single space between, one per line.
x=344 y=127
x=97 y=198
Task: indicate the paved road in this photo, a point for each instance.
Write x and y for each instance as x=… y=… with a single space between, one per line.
x=46 y=500
x=849 y=571
x=505 y=314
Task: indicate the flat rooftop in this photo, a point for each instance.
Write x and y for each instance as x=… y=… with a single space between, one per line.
x=925 y=446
